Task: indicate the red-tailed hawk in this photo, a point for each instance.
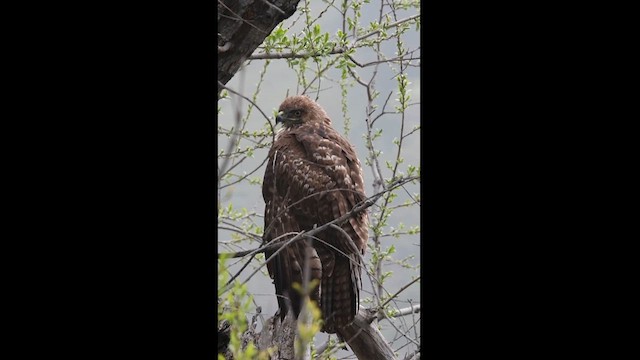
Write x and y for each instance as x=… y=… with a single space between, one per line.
x=313 y=176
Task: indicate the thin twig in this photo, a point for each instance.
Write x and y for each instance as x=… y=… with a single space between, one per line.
x=399 y=291
x=359 y=207
x=356 y=209
x=388 y=27
x=240 y=271
x=251 y=101
x=222 y=169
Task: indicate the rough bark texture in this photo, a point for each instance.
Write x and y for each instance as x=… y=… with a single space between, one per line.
x=280 y=335
x=224 y=329
x=242 y=27
x=277 y=335
x=364 y=339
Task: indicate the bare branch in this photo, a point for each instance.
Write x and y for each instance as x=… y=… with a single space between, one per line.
x=291 y=55
x=240 y=271
x=251 y=101
x=388 y=27
x=405 y=311
x=401 y=290
x=356 y=209
x=241 y=232
x=404 y=334
x=365 y=339
x=245 y=176
x=281 y=245
x=234 y=139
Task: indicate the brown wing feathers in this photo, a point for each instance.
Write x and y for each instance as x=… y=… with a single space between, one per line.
x=310 y=159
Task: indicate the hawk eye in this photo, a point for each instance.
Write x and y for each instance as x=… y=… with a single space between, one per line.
x=297 y=113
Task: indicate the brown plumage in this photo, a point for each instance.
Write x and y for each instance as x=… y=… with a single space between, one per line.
x=313 y=176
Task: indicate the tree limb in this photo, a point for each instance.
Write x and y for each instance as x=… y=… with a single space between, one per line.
x=406 y=311
x=291 y=55
x=361 y=206
x=365 y=339
x=399 y=291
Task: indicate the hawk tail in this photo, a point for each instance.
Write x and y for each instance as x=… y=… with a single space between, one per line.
x=288 y=276
x=340 y=294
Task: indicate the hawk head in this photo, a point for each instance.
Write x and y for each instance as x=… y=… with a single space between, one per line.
x=299 y=109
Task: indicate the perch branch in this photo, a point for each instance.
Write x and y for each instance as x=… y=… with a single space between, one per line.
x=365 y=339
x=361 y=206
x=291 y=55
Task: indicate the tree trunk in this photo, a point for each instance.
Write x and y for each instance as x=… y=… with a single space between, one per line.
x=242 y=27
x=279 y=335
x=364 y=339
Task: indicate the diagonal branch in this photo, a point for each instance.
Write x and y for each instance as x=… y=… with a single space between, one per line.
x=356 y=209
x=281 y=245
x=399 y=291
x=388 y=26
x=292 y=55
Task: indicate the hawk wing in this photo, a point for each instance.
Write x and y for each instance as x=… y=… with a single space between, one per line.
x=286 y=267
x=314 y=173
x=334 y=162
